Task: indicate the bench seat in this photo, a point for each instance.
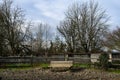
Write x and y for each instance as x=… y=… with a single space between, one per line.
x=56 y=64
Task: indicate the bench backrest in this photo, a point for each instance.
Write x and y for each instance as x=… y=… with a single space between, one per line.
x=61 y=63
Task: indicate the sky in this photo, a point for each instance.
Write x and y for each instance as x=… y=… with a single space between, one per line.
x=52 y=11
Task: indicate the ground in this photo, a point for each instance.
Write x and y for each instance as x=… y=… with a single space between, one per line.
x=47 y=74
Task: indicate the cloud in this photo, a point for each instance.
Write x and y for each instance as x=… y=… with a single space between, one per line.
x=52 y=11
x=49 y=11
x=112 y=8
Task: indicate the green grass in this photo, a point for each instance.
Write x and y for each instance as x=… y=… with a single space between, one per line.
x=81 y=65
x=20 y=66
x=114 y=71
x=16 y=68
x=44 y=65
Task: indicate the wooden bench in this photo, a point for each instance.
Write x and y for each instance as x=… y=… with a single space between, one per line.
x=60 y=64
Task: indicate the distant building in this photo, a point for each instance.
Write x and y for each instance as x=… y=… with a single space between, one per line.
x=113 y=56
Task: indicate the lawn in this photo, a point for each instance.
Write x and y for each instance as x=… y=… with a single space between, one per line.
x=27 y=66
x=23 y=66
x=81 y=65
x=114 y=71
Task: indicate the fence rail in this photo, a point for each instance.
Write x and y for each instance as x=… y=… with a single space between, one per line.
x=30 y=59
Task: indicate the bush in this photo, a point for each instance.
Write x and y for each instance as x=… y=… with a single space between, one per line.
x=103 y=61
x=96 y=65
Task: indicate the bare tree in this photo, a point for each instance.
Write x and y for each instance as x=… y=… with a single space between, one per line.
x=112 y=40
x=68 y=31
x=47 y=37
x=40 y=36
x=57 y=44
x=12 y=20
x=43 y=38
x=3 y=48
x=86 y=26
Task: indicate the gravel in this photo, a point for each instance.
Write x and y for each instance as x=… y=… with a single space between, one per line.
x=47 y=74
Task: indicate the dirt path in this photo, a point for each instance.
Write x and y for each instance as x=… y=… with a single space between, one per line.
x=40 y=74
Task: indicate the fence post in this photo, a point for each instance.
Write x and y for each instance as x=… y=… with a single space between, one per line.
x=66 y=57
x=31 y=60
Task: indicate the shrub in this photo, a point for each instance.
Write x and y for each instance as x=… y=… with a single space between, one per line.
x=103 y=61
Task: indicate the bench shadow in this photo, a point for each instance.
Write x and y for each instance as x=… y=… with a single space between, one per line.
x=59 y=69
x=71 y=69
x=76 y=69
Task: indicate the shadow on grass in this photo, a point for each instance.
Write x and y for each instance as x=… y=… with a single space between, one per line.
x=79 y=67
x=64 y=69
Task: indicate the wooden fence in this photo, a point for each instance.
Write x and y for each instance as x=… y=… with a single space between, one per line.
x=31 y=60
x=38 y=59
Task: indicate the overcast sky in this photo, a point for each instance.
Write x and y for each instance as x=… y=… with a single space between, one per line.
x=52 y=11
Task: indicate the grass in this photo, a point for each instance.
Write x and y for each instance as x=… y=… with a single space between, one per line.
x=81 y=65
x=114 y=70
x=24 y=66
x=44 y=65
x=18 y=65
